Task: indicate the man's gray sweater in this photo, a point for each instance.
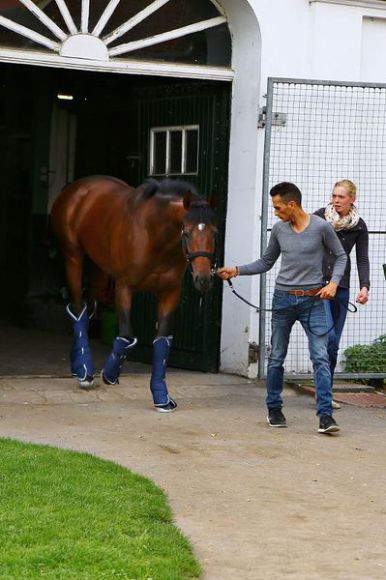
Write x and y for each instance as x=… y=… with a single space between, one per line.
x=301 y=255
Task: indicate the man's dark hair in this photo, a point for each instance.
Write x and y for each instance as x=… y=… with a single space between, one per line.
x=287 y=191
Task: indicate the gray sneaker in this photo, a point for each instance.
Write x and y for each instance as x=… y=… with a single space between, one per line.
x=276 y=418
x=168 y=407
x=327 y=424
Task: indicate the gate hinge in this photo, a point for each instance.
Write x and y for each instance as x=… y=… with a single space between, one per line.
x=278 y=119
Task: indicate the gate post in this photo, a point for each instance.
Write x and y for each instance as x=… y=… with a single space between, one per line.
x=264 y=221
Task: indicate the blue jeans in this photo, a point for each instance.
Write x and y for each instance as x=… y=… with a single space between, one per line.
x=336 y=311
x=287 y=309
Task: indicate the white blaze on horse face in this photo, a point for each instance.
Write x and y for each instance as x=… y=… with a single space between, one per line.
x=201 y=227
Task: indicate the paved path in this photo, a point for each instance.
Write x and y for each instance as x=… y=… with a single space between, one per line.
x=256 y=502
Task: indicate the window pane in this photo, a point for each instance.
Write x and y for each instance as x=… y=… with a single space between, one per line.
x=191 y=153
x=15 y=11
x=175 y=153
x=159 y=153
x=204 y=47
x=210 y=47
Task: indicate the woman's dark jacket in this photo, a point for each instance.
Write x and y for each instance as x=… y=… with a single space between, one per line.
x=357 y=236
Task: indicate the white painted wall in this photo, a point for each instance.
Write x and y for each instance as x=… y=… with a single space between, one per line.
x=373 y=50
x=316 y=39
x=243 y=203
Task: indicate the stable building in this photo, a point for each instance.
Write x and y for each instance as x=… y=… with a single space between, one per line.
x=232 y=96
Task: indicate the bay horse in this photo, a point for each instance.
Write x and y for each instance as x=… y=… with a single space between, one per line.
x=143 y=238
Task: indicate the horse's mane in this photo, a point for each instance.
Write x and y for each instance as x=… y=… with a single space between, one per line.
x=168 y=188
x=199 y=210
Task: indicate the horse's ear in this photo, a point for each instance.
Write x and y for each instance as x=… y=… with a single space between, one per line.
x=187 y=199
x=212 y=201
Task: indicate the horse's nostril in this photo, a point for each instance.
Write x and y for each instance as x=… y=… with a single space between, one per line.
x=203 y=283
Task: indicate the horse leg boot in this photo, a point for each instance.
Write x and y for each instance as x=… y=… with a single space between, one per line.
x=162 y=402
x=82 y=365
x=112 y=367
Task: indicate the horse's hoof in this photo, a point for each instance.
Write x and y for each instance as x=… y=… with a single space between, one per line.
x=87 y=383
x=169 y=407
x=107 y=381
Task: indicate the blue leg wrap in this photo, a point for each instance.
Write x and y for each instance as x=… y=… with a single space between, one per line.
x=82 y=365
x=161 y=348
x=112 y=367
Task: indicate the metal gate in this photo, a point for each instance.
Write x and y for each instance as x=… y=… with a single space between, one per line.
x=318 y=132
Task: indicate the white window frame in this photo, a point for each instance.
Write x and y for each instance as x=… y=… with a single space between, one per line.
x=168 y=129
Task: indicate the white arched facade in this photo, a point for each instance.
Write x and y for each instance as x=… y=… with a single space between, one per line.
x=78 y=45
x=299 y=39
x=100 y=43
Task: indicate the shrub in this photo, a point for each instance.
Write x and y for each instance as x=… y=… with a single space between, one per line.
x=366 y=358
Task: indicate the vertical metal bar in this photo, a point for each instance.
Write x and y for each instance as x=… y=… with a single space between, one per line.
x=167 y=158
x=151 y=151
x=85 y=15
x=264 y=222
x=183 y=151
x=66 y=16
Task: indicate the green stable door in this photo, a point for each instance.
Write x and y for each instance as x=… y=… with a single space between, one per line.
x=183 y=134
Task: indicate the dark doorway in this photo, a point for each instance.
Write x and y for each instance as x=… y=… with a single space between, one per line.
x=57 y=125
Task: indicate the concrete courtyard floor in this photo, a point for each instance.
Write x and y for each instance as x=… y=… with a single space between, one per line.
x=256 y=502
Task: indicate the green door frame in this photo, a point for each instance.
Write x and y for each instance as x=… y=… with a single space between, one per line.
x=196 y=343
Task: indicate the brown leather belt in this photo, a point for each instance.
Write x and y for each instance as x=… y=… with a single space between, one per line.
x=310 y=292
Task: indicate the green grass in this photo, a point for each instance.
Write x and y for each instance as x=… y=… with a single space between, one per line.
x=74 y=516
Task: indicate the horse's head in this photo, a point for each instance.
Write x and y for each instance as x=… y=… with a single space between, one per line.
x=199 y=240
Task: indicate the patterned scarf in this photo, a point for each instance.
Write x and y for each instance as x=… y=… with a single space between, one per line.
x=346 y=222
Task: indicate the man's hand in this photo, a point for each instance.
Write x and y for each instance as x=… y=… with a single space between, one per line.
x=227 y=273
x=328 y=292
x=363 y=296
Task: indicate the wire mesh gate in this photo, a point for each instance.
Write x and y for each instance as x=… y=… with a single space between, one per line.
x=318 y=132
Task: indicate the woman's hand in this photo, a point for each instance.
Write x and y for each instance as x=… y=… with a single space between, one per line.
x=227 y=273
x=363 y=296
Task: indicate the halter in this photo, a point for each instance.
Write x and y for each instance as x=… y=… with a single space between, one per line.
x=190 y=256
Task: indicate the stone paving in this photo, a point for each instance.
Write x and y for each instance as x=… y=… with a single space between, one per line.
x=256 y=502
x=349 y=393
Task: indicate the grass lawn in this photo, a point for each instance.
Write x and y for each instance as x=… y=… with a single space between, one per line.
x=73 y=516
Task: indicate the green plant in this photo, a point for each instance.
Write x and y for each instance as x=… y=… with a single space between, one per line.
x=366 y=358
x=67 y=515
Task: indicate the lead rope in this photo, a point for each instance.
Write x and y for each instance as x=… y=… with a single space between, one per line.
x=350 y=308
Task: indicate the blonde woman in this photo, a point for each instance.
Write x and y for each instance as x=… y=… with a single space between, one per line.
x=344 y=217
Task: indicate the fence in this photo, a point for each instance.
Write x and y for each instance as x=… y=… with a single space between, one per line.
x=318 y=132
